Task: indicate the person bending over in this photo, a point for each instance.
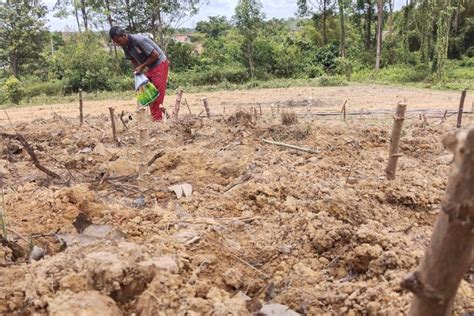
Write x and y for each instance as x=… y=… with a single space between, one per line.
x=145 y=56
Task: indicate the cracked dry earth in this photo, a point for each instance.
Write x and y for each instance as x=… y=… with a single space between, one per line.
x=266 y=229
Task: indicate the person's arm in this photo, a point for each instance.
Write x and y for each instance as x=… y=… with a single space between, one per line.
x=150 y=60
x=134 y=63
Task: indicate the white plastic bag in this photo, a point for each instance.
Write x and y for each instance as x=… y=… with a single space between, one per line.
x=140 y=80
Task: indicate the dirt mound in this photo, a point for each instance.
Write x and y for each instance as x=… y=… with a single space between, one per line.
x=265 y=227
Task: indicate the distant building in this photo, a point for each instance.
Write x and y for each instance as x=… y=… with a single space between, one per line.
x=182 y=38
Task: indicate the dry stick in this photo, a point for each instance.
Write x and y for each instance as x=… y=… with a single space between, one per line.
x=308 y=150
x=444 y=115
x=255 y=113
x=112 y=120
x=177 y=104
x=31 y=152
x=81 y=113
x=395 y=140
x=461 y=108
x=187 y=105
x=123 y=122
x=206 y=107
x=260 y=108
x=449 y=254
x=344 y=110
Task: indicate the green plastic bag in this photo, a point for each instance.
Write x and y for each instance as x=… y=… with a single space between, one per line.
x=146 y=91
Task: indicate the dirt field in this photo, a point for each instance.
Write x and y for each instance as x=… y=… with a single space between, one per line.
x=321 y=233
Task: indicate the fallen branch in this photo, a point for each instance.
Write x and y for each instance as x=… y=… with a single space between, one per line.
x=31 y=152
x=155 y=156
x=308 y=150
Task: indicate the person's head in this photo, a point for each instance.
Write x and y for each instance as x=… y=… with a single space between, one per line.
x=118 y=35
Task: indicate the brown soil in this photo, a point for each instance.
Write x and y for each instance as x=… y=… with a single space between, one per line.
x=319 y=233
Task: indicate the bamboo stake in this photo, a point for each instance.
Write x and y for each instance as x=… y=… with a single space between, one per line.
x=112 y=120
x=143 y=174
x=461 y=108
x=308 y=150
x=177 y=104
x=449 y=254
x=81 y=113
x=206 y=107
x=395 y=140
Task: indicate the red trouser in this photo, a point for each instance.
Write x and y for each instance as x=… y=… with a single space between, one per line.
x=159 y=76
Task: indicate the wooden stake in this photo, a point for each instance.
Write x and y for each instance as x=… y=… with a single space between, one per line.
x=255 y=113
x=177 y=104
x=449 y=254
x=260 y=108
x=395 y=140
x=112 y=120
x=206 y=107
x=278 y=108
x=81 y=113
x=461 y=109
x=143 y=175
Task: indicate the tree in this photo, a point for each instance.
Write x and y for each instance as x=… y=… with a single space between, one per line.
x=342 y=39
x=306 y=7
x=21 y=34
x=215 y=27
x=380 y=4
x=442 y=38
x=248 y=18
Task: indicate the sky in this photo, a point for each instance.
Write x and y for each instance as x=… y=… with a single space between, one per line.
x=271 y=8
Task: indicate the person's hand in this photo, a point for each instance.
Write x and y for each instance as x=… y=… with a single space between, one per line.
x=139 y=70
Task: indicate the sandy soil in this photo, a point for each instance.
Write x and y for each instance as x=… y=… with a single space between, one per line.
x=319 y=233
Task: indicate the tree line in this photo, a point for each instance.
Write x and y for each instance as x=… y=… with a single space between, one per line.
x=326 y=38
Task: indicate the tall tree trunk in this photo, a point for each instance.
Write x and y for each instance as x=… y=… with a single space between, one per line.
x=325 y=31
x=442 y=39
x=131 y=22
x=380 y=4
x=85 y=18
x=456 y=16
x=390 y=17
x=368 y=26
x=342 y=41
x=111 y=22
x=160 y=27
x=76 y=13
x=426 y=31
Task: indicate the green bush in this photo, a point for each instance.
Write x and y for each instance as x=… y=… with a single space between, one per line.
x=210 y=76
x=49 y=88
x=13 y=90
x=314 y=71
x=330 y=81
x=120 y=83
x=467 y=62
x=84 y=63
x=344 y=67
